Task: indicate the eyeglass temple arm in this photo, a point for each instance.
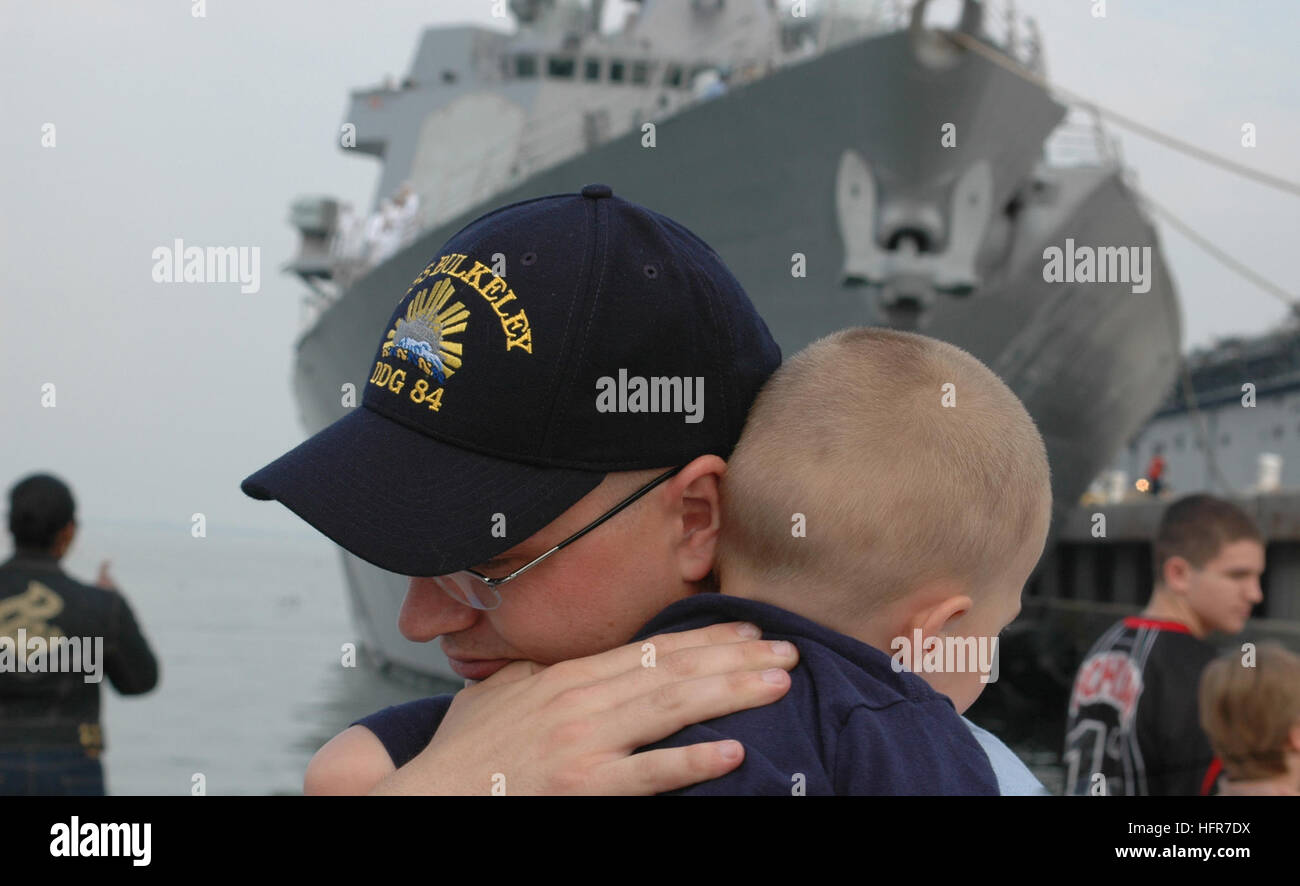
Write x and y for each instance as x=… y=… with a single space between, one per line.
x=493 y=582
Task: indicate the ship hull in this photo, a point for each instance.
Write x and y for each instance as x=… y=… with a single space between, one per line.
x=754 y=173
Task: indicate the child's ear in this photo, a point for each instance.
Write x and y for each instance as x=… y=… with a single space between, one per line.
x=696 y=499
x=949 y=603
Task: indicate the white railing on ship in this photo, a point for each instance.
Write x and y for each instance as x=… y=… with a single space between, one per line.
x=1081 y=140
x=1015 y=34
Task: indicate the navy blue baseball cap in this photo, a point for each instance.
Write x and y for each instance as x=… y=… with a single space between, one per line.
x=545 y=345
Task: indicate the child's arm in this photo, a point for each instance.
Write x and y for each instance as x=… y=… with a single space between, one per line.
x=908 y=749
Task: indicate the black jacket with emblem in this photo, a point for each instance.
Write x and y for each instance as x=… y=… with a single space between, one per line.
x=45 y=709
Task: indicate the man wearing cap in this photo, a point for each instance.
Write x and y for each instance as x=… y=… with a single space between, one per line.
x=480 y=451
x=600 y=378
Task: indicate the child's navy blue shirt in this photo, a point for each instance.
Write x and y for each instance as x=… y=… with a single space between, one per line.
x=849 y=723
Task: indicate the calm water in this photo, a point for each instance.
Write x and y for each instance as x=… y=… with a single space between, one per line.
x=248 y=629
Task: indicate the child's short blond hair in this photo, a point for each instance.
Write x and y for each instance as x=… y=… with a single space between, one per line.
x=1248 y=712
x=907 y=458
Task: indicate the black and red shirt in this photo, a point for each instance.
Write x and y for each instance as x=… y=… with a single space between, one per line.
x=1133 y=714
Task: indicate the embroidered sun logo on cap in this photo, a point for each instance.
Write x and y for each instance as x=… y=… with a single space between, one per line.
x=423 y=336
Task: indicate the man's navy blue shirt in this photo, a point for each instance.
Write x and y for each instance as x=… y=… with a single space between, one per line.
x=849 y=724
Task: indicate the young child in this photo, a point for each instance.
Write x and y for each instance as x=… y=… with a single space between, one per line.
x=1251 y=713
x=885 y=504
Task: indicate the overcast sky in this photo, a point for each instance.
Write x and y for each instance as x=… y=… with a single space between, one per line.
x=205 y=129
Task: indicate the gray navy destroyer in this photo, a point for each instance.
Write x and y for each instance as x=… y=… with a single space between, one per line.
x=857 y=165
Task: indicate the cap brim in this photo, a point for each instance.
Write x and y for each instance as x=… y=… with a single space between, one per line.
x=409 y=503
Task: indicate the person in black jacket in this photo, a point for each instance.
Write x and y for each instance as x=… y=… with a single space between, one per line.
x=58 y=638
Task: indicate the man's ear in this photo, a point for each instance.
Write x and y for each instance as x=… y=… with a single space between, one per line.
x=63 y=540
x=695 y=500
x=1176 y=572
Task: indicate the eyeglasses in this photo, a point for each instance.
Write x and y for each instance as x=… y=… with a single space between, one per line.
x=479 y=591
